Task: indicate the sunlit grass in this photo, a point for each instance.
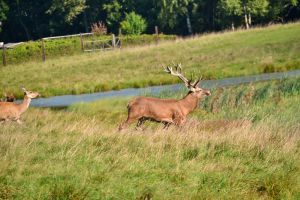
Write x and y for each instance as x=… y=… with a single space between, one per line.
x=275 y=48
x=242 y=143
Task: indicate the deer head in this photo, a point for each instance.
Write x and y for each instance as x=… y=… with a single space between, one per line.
x=194 y=87
x=30 y=94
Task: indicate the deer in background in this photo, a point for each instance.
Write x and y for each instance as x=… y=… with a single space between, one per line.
x=10 y=111
x=166 y=111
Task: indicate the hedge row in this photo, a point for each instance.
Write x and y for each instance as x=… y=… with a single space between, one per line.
x=32 y=50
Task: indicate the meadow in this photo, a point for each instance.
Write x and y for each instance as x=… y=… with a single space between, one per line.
x=216 y=55
x=241 y=143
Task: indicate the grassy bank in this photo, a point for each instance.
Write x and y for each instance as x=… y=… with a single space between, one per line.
x=242 y=143
x=260 y=50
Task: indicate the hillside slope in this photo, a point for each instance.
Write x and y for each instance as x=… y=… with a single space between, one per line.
x=275 y=48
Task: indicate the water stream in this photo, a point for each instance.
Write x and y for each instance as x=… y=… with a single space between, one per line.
x=67 y=100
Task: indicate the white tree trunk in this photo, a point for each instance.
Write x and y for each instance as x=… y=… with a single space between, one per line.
x=249 y=19
x=246 y=18
x=188 y=23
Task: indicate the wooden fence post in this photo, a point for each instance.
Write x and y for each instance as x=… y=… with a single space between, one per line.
x=43 y=51
x=3 y=55
x=156 y=35
x=81 y=43
x=113 y=40
x=120 y=37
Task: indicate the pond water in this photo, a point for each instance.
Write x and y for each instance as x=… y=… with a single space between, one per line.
x=67 y=100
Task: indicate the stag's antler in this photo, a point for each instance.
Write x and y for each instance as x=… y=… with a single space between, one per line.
x=196 y=82
x=178 y=73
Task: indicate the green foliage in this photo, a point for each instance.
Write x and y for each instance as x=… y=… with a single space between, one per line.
x=279 y=9
x=231 y=7
x=32 y=50
x=133 y=24
x=69 y=9
x=3 y=13
x=31 y=19
x=256 y=8
x=113 y=10
x=171 y=10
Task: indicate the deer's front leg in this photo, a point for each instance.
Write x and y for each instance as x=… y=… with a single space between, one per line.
x=179 y=119
x=166 y=125
x=182 y=121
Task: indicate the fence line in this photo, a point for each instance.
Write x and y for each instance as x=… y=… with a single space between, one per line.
x=66 y=36
x=105 y=44
x=101 y=44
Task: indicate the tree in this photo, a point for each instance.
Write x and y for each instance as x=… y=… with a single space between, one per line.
x=280 y=10
x=248 y=8
x=170 y=12
x=133 y=24
x=32 y=19
x=231 y=8
x=257 y=8
x=114 y=14
x=68 y=9
x=3 y=13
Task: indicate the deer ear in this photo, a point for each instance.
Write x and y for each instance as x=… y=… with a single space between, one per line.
x=192 y=89
x=24 y=90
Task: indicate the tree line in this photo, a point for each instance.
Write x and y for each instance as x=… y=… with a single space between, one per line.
x=22 y=20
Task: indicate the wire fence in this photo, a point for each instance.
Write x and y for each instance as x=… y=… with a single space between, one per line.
x=48 y=47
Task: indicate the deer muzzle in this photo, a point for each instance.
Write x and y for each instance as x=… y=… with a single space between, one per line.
x=207 y=92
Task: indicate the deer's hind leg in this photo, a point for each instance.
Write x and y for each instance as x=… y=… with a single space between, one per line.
x=130 y=119
x=141 y=121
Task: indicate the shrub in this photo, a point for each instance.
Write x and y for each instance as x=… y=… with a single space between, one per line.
x=99 y=28
x=133 y=24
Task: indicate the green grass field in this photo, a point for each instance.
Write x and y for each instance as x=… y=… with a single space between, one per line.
x=242 y=143
x=275 y=48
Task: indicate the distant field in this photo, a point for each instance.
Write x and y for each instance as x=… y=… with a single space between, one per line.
x=243 y=143
x=276 y=48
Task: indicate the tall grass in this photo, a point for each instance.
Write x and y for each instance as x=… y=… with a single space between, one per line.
x=214 y=56
x=222 y=153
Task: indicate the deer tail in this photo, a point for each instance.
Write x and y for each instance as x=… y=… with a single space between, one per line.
x=129 y=105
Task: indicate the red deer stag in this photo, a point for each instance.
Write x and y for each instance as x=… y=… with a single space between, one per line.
x=166 y=111
x=10 y=111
